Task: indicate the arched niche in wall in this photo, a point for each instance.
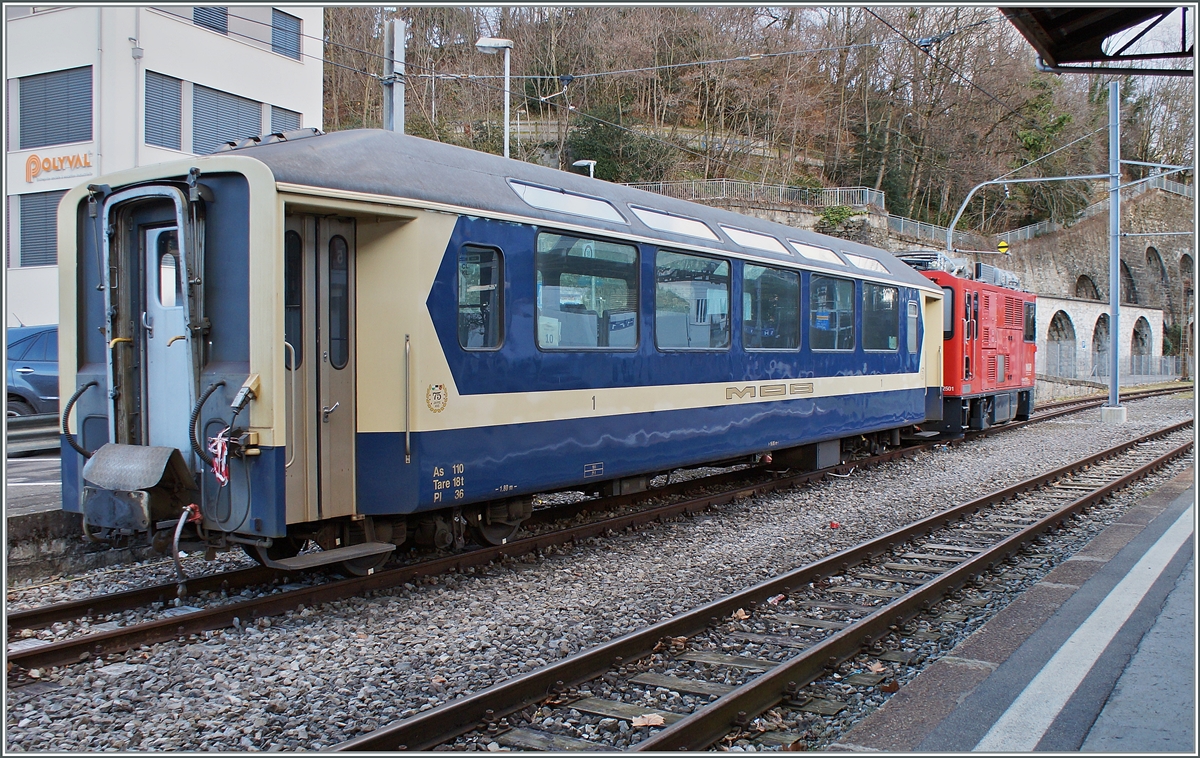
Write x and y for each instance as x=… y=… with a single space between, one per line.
x=1060 y=346
x=1100 y=346
x=1086 y=288
x=1128 y=288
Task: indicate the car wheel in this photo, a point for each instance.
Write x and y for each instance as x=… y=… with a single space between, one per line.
x=19 y=408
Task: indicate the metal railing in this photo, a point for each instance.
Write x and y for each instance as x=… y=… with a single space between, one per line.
x=1136 y=366
x=936 y=234
x=708 y=190
x=28 y=435
x=712 y=190
x=1047 y=226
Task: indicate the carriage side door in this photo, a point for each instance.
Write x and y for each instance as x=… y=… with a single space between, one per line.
x=335 y=407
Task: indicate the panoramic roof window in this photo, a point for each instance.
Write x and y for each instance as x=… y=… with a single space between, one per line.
x=822 y=254
x=755 y=240
x=567 y=202
x=865 y=263
x=665 y=222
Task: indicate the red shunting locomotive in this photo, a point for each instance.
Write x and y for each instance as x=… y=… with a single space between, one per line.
x=990 y=343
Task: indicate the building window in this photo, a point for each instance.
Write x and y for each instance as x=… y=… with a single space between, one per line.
x=212 y=17
x=56 y=108
x=39 y=228
x=831 y=312
x=219 y=117
x=283 y=120
x=164 y=106
x=691 y=310
x=881 y=317
x=586 y=293
x=480 y=298
x=770 y=308
x=285 y=34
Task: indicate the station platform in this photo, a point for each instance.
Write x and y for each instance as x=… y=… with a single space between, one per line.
x=1099 y=656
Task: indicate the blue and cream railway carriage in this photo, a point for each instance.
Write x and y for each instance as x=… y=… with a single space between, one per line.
x=397 y=339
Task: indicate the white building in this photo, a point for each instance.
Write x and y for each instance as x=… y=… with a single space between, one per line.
x=96 y=89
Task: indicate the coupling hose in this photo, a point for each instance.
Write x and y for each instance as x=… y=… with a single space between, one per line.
x=197 y=448
x=67 y=415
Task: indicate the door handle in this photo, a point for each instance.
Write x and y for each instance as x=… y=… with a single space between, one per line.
x=24 y=370
x=326 y=411
x=148 y=322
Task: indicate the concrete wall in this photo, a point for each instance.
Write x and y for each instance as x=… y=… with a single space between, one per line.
x=1084 y=315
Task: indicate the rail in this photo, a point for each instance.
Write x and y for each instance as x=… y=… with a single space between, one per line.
x=28 y=435
x=555 y=685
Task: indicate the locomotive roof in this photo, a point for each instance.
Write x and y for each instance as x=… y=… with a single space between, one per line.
x=398 y=165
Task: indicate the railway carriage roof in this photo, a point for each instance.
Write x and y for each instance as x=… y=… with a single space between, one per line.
x=397 y=165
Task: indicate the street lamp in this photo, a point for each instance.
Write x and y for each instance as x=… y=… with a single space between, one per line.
x=591 y=167
x=490 y=45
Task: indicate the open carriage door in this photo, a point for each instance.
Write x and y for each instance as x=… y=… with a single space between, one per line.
x=170 y=382
x=152 y=355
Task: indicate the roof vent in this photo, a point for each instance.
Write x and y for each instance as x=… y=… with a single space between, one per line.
x=267 y=139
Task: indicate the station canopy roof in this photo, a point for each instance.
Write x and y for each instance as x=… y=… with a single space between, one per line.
x=1064 y=36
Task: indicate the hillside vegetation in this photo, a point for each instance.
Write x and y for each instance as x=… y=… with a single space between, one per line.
x=922 y=102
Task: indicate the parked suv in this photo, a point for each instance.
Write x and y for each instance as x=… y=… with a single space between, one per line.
x=32 y=370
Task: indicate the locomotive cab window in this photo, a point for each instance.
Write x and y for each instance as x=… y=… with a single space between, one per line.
x=947 y=313
x=480 y=298
x=1030 y=322
x=770 y=308
x=586 y=294
x=691 y=310
x=881 y=317
x=831 y=313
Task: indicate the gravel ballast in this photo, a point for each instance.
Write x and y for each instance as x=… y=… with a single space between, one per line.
x=317 y=677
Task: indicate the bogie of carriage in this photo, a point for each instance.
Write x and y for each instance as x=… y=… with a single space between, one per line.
x=364 y=340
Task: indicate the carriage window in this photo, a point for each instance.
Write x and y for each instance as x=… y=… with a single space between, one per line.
x=947 y=313
x=480 y=298
x=831 y=313
x=770 y=308
x=914 y=317
x=293 y=294
x=1030 y=321
x=170 y=289
x=881 y=317
x=339 y=302
x=691 y=302
x=586 y=294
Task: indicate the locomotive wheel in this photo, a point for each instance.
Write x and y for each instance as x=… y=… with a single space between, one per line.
x=281 y=548
x=494 y=534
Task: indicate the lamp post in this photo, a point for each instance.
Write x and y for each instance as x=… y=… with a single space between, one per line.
x=591 y=167
x=490 y=45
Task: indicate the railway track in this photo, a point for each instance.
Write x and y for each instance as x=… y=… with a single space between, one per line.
x=723 y=664
x=176 y=620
